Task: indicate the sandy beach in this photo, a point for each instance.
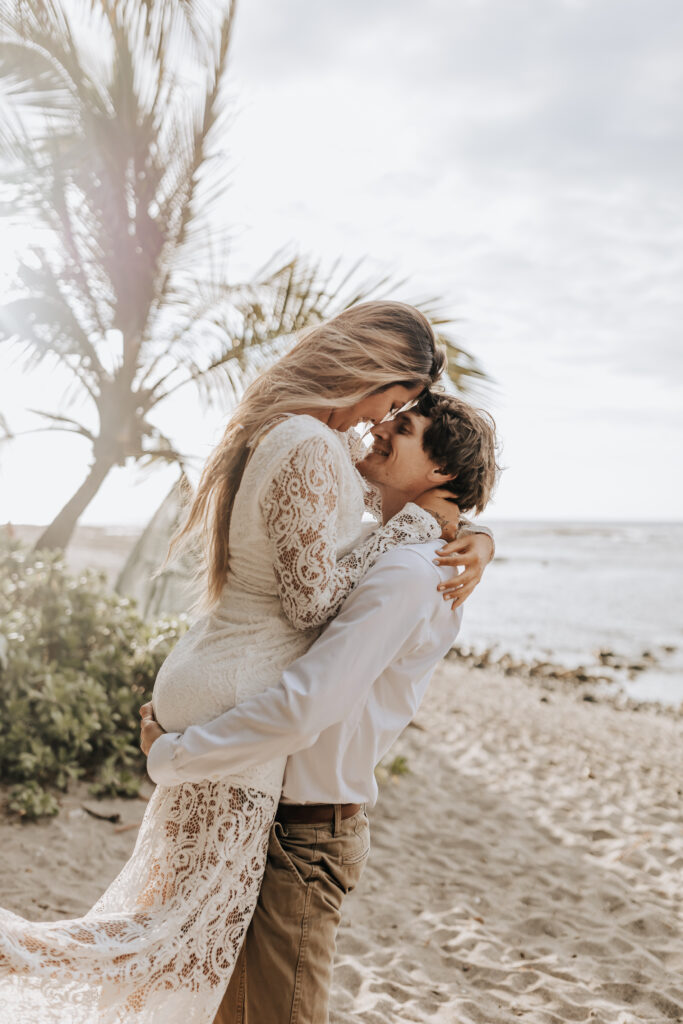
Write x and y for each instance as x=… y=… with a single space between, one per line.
x=527 y=866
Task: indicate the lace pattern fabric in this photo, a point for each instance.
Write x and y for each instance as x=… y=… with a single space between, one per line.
x=158 y=945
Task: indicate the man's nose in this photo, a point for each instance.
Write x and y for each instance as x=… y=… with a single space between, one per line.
x=381 y=429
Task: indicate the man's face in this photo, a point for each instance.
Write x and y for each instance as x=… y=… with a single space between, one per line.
x=397 y=459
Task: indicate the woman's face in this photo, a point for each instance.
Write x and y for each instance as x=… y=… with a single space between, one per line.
x=375 y=407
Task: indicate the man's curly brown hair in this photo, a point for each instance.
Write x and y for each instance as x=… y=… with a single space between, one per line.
x=461 y=441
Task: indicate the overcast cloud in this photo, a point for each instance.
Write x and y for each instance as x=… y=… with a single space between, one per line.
x=532 y=147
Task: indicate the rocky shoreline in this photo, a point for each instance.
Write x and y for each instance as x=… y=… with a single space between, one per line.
x=596 y=683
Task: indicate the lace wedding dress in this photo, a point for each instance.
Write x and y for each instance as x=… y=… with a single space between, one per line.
x=160 y=944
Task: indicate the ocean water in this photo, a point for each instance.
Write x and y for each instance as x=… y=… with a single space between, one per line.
x=562 y=592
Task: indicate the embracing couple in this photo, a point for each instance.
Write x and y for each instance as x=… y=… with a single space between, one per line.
x=264 y=731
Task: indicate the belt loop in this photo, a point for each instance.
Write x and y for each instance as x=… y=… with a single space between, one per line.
x=337 y=820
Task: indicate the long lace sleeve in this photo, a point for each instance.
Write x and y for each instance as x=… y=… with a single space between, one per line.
x=300 y=508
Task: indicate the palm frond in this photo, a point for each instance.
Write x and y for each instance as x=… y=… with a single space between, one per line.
x=31 y=80
x=463 y=369
x=61 y=422
x=5 y=433
x=284 y=298
x=43 y=328
x=194 y=180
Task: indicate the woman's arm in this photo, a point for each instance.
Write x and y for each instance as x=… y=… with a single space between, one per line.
x=301 y=509
x=469 y=548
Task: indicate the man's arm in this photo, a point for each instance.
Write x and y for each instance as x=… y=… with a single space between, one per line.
x=389 y=612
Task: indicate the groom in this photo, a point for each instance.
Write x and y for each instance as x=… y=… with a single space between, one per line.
x=336 y=712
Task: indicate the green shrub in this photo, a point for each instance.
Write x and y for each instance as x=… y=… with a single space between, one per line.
x=399 y=766
x=76 y=662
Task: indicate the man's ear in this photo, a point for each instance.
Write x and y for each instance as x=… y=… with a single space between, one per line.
x=439 y=477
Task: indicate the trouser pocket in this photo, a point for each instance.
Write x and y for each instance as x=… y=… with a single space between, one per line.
x=295 y=856
x=356 y=845
x=342 y=857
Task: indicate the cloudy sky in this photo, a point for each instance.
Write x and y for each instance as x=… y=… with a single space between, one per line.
x=523 y=159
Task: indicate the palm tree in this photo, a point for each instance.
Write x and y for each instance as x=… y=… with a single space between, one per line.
x=112 y=115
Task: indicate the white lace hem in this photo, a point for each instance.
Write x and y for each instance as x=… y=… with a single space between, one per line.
x=161 y=943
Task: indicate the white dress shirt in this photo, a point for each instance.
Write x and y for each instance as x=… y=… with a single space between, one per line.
x=339 y=707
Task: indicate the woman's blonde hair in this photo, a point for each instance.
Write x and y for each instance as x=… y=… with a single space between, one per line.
x=366 y=348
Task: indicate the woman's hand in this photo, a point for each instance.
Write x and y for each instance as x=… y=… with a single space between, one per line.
x=474 y=551
x=442 y=504
x=150 y=730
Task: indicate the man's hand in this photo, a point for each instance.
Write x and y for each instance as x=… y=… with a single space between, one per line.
x=474 y=551
x=150 y=730
x=442 y=504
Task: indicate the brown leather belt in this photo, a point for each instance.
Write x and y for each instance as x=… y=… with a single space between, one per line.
x=313 y=814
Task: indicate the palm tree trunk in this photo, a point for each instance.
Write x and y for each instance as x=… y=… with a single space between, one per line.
x=58 y=533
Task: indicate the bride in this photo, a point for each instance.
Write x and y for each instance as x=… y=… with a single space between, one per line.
x=279 y=509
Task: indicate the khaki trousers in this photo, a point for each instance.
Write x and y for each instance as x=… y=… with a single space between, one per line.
x=284 y=971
